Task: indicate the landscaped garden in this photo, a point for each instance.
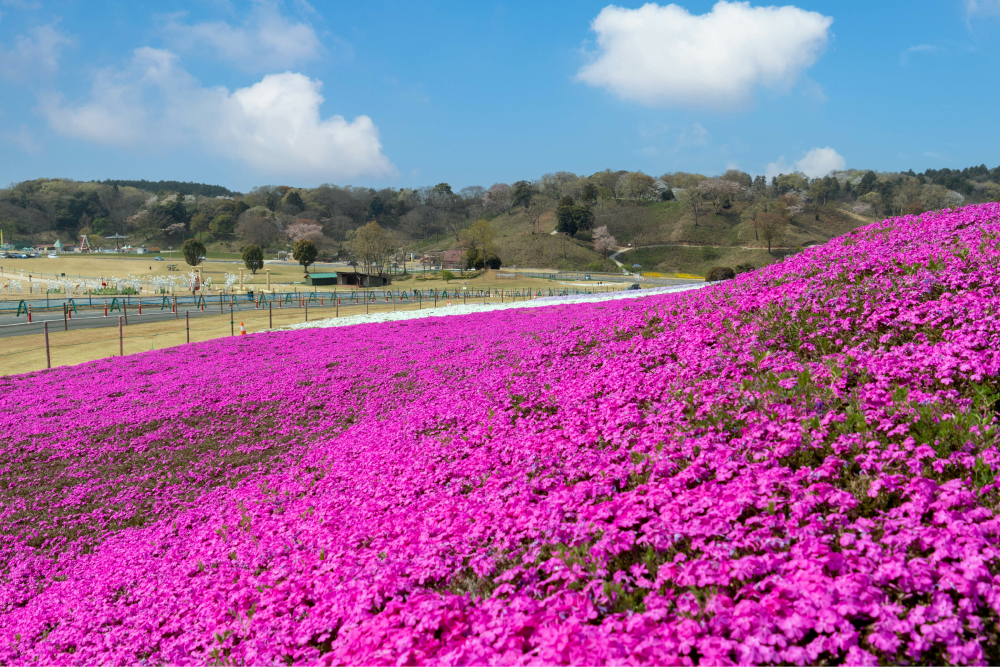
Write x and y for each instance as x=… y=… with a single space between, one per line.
x=795 y=466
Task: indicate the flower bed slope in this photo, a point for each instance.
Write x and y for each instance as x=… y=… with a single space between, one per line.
x=797 y=466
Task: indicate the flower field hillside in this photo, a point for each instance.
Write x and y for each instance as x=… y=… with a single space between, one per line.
x=797 y=466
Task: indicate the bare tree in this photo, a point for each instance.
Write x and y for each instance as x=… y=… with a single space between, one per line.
x=536 y=209
x=258 y=229
x=772 y=228
x=372 y=246
x=719 y=192
x=608 y=180
x=693 y=199
x=120 y=204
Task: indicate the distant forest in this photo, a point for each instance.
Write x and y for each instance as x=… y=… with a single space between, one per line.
x=620 y=205
x=181 y=188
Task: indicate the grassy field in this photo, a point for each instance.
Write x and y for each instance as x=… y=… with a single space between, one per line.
x=23 y=354
x=694 y=259
x=283 y=277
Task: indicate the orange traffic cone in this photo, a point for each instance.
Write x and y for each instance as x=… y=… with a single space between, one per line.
x=243 y=330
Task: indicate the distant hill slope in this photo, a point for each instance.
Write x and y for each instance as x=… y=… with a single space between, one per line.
x=666 y=238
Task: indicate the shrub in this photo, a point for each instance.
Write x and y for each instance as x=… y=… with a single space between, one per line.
x=447 y=276
x=717 y=273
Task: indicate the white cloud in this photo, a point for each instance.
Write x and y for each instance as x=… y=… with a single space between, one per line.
x=987 y=7
x=665 y=56
x=34 y=54
x=696 y=136
x=265 y=41
x=904 y=57
x=815 y=164
x=274 y=125
x=820 y=161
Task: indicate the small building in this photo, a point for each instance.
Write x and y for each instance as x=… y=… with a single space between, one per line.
x=322 y=279
x=451 y=259
x=362 y=279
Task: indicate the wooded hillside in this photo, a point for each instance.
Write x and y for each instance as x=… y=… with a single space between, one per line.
x=560 y=220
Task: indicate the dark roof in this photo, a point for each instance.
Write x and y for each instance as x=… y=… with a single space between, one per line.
x=323 y=275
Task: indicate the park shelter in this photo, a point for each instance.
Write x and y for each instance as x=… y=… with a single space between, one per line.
x=362 y=279
x=321 y=279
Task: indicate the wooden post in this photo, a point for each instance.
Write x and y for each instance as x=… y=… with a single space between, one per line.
x=65 y=317
x=270 y=315
x=121 y=337
x=187 y=324
x=232 y=329
x=48 y=356
x=307 y=311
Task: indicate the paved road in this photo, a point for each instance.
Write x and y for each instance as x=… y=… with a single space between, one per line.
x=94 y=319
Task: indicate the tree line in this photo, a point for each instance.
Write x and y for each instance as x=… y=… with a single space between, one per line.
x=601 y=206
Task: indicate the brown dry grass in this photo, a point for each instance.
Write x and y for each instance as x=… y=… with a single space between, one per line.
x=23 y=354
x=283 y=278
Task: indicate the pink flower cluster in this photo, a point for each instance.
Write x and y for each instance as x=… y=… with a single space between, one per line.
x=797 y=466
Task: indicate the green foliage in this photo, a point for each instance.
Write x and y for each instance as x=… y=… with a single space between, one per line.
x=305 y=253
x=447 y=276
x=521 y=193
x=184 y=188
x=222 y=226
x=375 y=207
x=474 y=258
x=293 y=198
x=200 y=222
x=253 y=258
x=193 y=251
x=571 y=218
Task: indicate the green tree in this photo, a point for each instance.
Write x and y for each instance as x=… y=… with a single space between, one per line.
x=447 y=276
x=293 y=198
x=270 y=203
x=305 y=253
x=253 y=258
x=200 y=222
x=193 y=251
x=522 y=192
x=474 y=258
x=571 y=218
x=375 y=207
x=222 y=226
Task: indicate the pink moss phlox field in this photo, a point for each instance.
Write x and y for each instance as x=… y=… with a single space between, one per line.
x=795 y=466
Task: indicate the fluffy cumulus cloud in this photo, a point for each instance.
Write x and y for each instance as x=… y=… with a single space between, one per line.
x=267 y=40
x=815 y=164
x=274 y=126
x=666 y=56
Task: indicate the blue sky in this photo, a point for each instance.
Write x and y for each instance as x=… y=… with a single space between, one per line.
x=243 y=93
